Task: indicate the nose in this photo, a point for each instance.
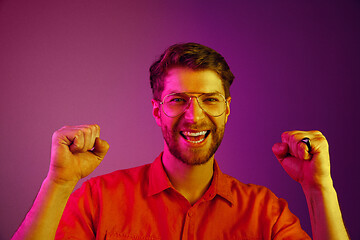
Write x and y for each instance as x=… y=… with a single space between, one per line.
x=194 y=112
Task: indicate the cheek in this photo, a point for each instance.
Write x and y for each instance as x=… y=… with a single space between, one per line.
x=219 y=122
x=169 y=125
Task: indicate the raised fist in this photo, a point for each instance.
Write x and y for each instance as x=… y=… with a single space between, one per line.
x=75 y=152
x=310 y=167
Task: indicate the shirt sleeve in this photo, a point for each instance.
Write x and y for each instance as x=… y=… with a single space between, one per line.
x=287 y=225
x=77 y=219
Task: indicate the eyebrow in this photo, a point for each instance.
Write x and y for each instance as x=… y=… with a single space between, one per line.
x=194 y=92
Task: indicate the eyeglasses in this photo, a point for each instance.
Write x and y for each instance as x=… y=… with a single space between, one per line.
x=175 y=104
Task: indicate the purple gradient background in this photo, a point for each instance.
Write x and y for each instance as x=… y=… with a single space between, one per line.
x=297 y=66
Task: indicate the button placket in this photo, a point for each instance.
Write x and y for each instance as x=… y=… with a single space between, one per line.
x=189 y=230
x=187 y=225
x=190 y=213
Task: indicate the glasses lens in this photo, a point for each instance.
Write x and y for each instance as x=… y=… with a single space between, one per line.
x=175 y=104
x=213 y=104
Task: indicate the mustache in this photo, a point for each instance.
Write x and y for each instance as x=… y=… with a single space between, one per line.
x=195 y=127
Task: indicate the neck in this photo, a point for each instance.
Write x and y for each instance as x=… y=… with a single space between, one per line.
x=191 y=181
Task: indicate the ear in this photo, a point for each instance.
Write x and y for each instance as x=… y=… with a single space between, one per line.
x=156 y=111
x=227 y=111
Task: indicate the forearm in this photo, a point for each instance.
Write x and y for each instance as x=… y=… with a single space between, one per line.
x=325 y=214
x=42 y=220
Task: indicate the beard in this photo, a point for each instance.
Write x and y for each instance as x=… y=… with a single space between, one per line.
x=193 y=156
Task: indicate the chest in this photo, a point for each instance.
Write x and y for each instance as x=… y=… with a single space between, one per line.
x=170 y=216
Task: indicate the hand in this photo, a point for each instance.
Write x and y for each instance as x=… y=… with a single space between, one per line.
x=76 y=151
x=310 y=168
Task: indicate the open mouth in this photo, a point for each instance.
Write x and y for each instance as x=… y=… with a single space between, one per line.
x=195 y=137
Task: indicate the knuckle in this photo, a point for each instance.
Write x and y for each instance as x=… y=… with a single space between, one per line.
x=284 y=135
x=93 y=128
x=79 y=133
x=297 y=136
x=54 y=135
x=96 y=130
x=323 y=143
x=87 y=130
x=316 y=132
x=58 y=132
x=321 y=139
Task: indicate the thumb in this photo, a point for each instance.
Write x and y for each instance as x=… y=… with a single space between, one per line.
x=280 y=150
x=100 y=148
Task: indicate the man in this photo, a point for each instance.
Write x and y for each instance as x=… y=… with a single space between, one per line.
x=182 y=194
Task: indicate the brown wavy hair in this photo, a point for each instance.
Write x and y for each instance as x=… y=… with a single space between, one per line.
x=190 y=55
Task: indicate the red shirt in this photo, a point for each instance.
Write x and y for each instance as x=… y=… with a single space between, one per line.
x=140 y=203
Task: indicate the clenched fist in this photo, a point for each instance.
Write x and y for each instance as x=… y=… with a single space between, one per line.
x=76 y=151
x=309 y=167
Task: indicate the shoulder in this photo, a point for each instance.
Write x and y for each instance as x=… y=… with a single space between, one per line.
x=257 y=199
x=120 y=179
x=250 y=192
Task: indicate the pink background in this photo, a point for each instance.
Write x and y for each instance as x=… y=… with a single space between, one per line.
x=297 y=66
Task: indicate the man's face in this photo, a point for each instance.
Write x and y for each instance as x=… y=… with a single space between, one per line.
x=194 y=136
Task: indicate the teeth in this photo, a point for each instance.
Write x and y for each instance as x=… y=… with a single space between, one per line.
x=194 y=134
x=196 y=141
x=188 y=135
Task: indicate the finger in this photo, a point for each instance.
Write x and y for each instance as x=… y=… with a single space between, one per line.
x=97 y=130
x=303 y=151
x=292 y=166
x=90 y=134
x=280 y=150
x=91 y=137
x=78 y=142
x=82 y=141
x=319 y=144
x=101 y=147
x=87 y=139
x=298 y=148
x=286 y=137
x=95 y=133
x=79 y=138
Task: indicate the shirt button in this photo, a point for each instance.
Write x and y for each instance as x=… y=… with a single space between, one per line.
x=190 y=214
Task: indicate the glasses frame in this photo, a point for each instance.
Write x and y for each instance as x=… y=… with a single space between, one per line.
x=191 y=97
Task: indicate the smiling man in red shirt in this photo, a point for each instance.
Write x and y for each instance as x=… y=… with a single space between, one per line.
x=182 y=194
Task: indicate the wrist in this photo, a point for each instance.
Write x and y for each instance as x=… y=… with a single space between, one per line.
x=322 y=187
x=67 y=186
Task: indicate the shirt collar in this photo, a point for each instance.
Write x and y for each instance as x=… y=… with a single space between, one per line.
x=221 y=184
x=159 y=181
